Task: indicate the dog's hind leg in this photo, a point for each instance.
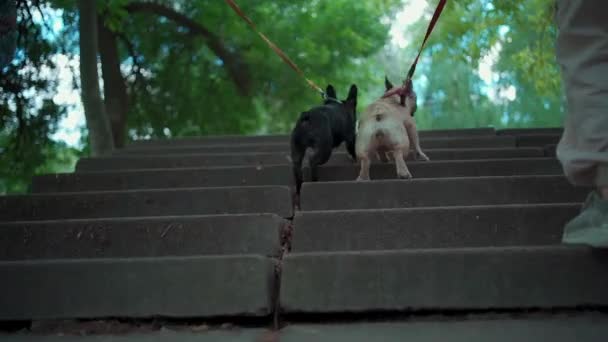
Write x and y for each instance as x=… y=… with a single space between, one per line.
x=350 y=147
x=364 y=147
x=365 y=163
x=412 y=133
x=399 y=153
x=319 y=157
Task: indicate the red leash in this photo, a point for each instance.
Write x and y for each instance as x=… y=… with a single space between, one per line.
x=275 y=48
x=404 y=89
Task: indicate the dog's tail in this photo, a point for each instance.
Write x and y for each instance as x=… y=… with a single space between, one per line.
x=297 y=156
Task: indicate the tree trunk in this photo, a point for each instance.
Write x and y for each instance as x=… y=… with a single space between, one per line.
x=114 y=88
x=100 y=134
x=8 y=31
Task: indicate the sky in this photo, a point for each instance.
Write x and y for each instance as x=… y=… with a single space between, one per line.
x=70 y=127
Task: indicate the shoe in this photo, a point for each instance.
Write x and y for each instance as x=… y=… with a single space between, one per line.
x=591 y=225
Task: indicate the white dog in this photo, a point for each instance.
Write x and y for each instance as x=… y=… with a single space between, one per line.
x=387 y=125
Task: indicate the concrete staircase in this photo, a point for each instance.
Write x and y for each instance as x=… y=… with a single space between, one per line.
x=198 y=239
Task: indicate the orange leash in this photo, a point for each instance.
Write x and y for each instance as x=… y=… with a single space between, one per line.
x=276 y=49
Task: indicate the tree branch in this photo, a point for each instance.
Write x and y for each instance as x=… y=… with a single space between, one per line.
x=238 y=71
x=136 y=66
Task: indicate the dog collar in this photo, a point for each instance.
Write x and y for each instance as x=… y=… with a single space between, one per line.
x=327 y=98
x=401 y=91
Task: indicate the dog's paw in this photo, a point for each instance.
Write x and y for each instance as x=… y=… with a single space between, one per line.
x=405 y=175
x=421 y=156
x=361 y=179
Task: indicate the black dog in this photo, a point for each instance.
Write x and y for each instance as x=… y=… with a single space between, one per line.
x=322 y=129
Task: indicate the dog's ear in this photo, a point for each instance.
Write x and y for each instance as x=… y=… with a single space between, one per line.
x=351 y=100
x=331 y=92
x=352 y=93
x=387 y=84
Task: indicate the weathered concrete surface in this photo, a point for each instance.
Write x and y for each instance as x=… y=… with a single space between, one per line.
x=550 y=150
x=163 y=178
x=199 y=286
x=463 y=278
x=236 y=335
x=530 y=131
x=212 y=140
x=584 y=328
x=281 y=174
x=448 y=168
x=142 y=237
x=439 y=192
x=383 y=229
x=138 y=203
x=427 y=143
x=126 y=162
x=537 y=140
x=284 y=138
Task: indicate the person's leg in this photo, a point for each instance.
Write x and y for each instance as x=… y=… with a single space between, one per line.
x=582 y=52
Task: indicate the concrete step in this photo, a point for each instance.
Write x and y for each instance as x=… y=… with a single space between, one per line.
x=284 y=138
x=448 y=168
x=200 y=286
x=281 y=174
x=538 y=140
x=551 y=150
x=426 y=143
x=163 y=178
x=449 y=227
x=131 y=162
x=142 y=237
x=530 y=131
x=138 y=203
x=439 y=192
x=211 y=140
x=151 y=335
x=444 y=279
x=586 y=326
x=126 y=162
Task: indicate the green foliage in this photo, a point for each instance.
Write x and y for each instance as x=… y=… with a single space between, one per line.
x=178 y=86
x=28 y=114
x=115 y=13
x=189 y=92
x=467 y=32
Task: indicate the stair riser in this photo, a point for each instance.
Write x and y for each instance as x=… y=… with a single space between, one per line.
x=170 y=287
x=200 y=201
x=439 y=192
x=338 y=158
x=444 y=279
x=144 y=237
x=282 y=175
x=430 y=228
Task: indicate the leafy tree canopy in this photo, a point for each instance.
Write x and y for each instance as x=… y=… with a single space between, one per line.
x=195 y=68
